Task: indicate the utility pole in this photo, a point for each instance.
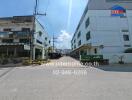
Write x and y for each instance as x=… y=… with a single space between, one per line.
x=35 y=13
x=54 y=38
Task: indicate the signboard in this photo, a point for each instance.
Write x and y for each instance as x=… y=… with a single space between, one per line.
x=118 y=11
x=26 y=47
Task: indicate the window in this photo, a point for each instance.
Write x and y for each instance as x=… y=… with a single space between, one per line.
x=22 y=34
x=46 y=38
x=24 y=41
x=79 y=34
x=87 y=23
x=46 y=45
x=74 y=46
x=88 y=36
x=10 y=35
x=79 y=43
x=127 y=45
x=25 y=29
x=39 y=42
x=125 y=30
x=7 y=40
x=7 y=30
x=40 y=33
x=95 y=51
x=126 y=37
x=75 y=41
x=123 y=16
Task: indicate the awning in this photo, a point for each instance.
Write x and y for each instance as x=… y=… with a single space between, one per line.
x=85 y=46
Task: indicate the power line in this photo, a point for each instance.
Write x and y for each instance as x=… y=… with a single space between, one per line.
x=47 y=5
x=45 y=8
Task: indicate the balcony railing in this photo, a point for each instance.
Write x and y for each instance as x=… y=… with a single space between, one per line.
x=15 y=35
x=2 y=44
x=4 y=34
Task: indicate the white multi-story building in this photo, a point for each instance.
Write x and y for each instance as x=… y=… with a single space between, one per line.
x=105 y=27
x=19 y=35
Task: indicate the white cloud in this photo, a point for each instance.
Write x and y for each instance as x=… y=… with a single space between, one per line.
x=64 y=40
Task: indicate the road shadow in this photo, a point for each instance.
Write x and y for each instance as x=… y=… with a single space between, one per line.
x=10 y=66
x=117 y=68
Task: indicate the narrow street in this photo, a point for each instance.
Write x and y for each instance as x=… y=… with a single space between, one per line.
x=40 y=83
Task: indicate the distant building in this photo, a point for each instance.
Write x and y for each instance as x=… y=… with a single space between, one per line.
x=16 y=35
x=105 y=27
x=64 y=51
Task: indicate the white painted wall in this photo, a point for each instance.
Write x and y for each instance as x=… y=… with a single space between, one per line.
x=114 y=57
x=44 y=34
x=106 y=30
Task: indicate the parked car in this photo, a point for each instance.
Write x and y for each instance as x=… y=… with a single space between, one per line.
x=54 y=55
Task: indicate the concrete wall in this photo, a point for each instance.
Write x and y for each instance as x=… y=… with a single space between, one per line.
x=44 y=35
x=106 y=30
x=114 y=57
x=103 y=5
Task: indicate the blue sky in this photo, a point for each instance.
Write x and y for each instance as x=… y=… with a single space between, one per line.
x=62 y=15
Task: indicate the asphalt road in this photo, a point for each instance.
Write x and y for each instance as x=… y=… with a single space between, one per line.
x=54 y=82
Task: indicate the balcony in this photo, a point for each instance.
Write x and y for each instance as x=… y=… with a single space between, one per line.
x=4 y=34
x=12 y=35
x=15 y=38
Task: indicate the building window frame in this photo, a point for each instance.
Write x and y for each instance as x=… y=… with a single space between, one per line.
x=95 y=51
x=74 y=46
x=7 y=41
x=126 y=37
x=75 y=41
x=125 y=30
x=27 y=41
x=49 y=41
x=46 y=38
x=79 y=42
x=25 y=29
x=87 y=22
x=127 y=45
x=79 y=34
x=7 y=29
x=39 y=42
x=88 y=36
x=40 y=33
